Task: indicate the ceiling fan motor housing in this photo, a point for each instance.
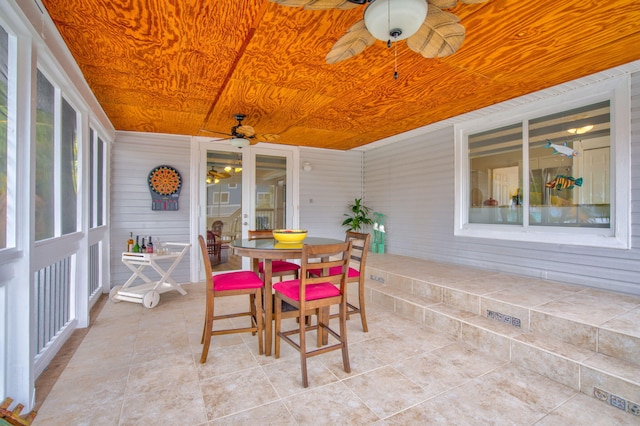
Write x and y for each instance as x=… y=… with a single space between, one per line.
x=397 y=19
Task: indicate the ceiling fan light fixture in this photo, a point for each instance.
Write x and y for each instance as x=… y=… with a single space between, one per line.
x=239 y=142
x=394 y=19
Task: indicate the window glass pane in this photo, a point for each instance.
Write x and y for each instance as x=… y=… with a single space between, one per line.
x=495 y=176
x=69 y=169
x=100 y=183
x=92 y=178
x=271 y=175
x=4 y=107
x=44 y=209
x=569 y=159
x=224 y=193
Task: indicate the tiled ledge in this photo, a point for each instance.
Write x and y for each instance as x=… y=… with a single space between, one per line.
x=562 y=334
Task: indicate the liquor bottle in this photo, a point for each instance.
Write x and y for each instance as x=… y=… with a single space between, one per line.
x=150 y=245
x=130 y=243
x=143 y=247
x=136 y=247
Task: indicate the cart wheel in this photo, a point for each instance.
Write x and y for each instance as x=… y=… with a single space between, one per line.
x=112 y=294
x=150 y=299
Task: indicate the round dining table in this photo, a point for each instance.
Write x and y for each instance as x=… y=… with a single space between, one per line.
x=267 y=250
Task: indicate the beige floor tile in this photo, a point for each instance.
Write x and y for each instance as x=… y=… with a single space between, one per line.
x=179 y=405
x=286 y=376
x=584 y=410
x=275 y=413
x=386 y=391
x=334 y=404
x=236 y=392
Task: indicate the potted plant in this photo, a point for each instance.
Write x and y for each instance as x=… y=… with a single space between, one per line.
x=358 y=216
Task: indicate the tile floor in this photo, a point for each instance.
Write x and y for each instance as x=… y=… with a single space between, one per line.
x=138 y=366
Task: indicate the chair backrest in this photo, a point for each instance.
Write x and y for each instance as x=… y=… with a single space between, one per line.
x=359 y=250
x=205 y=257
x=211 y=242
x=216 y=227
x=261 y=234
x=324 y=257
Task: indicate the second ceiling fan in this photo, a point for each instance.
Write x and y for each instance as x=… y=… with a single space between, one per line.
x=243 y=134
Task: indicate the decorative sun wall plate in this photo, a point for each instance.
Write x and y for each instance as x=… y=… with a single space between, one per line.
x=165 y=184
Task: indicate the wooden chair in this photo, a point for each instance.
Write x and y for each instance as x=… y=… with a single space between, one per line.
x=214 y=247
x=315 y=294
x=356 y=273
x=230 y=284
x=279 y=268
x=216 y=227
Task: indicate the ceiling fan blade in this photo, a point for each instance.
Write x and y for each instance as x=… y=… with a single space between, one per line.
x=353 y=42
x=318 y=4
x=444 y=4
x=245 y=131
x=441 y=34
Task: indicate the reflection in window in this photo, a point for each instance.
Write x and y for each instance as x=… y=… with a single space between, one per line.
x=4 y=144
x=96 y=187
x=570 y=168
x=44 y=209
x=270 y=196
x=495 y=160
x=567 y=173
x=68 y=169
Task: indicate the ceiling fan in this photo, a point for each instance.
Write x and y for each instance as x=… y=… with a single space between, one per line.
x=428 y=29
x=214 y=176
x=241 y=133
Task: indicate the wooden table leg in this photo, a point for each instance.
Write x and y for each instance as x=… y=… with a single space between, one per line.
x=268 y=306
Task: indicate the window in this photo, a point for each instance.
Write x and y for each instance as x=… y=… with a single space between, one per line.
x=550 y=175
x=45 y=196
x=5 y=186
x=56 y=201
x=96 y=173
x=221 y=198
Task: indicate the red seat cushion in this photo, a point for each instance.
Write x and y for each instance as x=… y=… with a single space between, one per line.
x=313 y=291
x=279 y=266
x=238 y=280
x=335 y=271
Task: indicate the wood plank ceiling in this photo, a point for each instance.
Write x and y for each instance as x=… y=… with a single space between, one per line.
x=185 y=66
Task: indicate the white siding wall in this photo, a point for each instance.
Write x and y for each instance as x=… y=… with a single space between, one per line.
x=134 y=155
x=325 y=192
x=413 y=183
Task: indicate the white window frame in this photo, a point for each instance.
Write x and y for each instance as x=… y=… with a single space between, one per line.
x=617 y=91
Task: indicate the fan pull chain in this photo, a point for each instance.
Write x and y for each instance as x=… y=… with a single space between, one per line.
x=395 y=62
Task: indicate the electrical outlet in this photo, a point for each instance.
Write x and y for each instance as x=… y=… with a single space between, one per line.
x=618 y=402
x=377 y=278
x=633 y=408
x=600 y=394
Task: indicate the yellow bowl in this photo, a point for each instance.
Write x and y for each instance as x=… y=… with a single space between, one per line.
x=290 y=236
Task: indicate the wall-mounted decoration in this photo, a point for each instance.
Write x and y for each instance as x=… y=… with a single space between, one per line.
x=165 y=184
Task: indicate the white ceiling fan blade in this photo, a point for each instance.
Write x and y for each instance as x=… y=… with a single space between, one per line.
x=353 y=42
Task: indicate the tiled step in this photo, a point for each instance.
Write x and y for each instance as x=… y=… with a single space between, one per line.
x=597 y=354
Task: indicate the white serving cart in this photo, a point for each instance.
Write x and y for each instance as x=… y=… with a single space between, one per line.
x=149 y=293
